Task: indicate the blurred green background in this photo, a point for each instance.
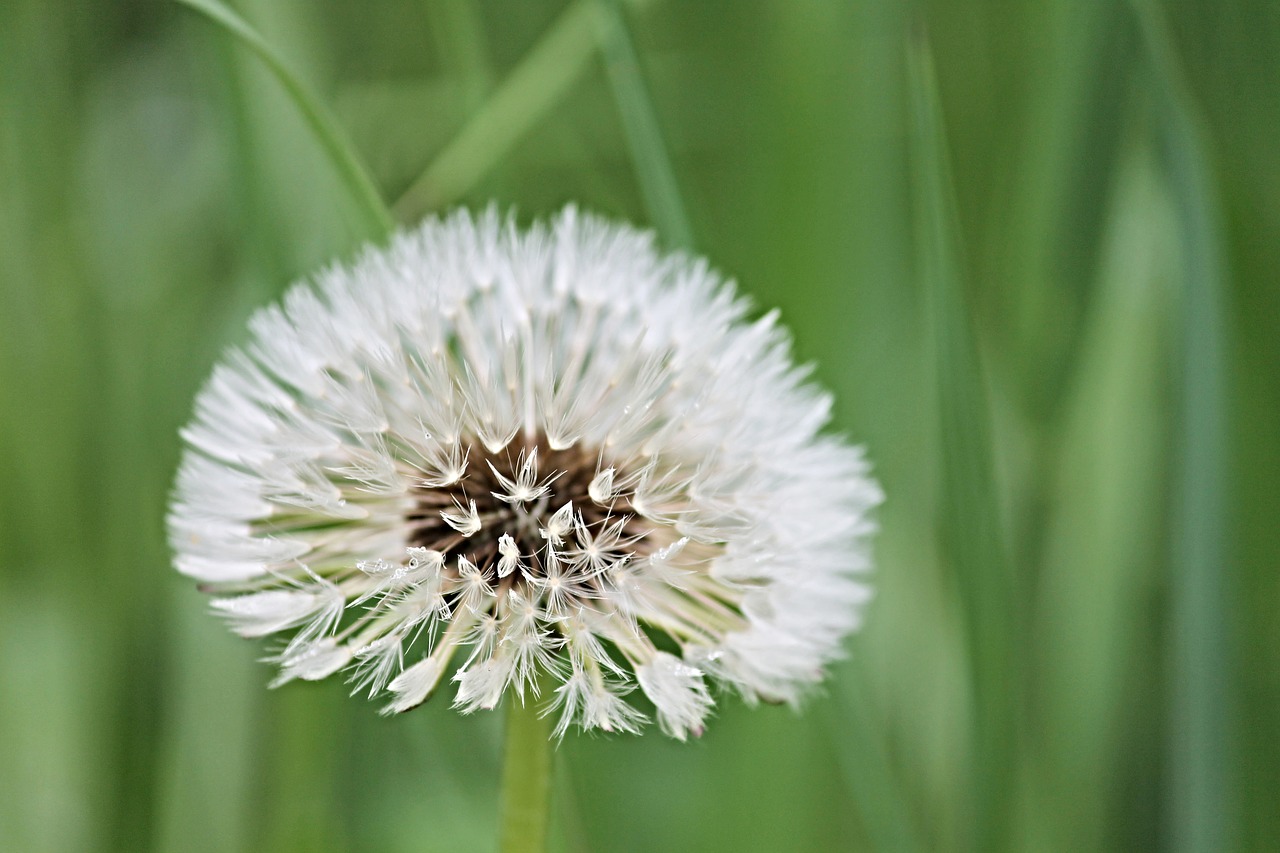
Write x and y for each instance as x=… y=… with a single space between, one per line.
x=1044 y=289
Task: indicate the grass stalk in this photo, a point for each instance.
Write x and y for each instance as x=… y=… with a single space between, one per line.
x=969 y=517
x=649 y=153
x=1198 y=807
x=376 y=219
x=534 y=86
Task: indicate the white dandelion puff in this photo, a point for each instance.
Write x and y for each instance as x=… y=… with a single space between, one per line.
x=548 y=466
x=600 y=489
x=466 y=520
x=678 y=692
x=312 y=662
x=412 y=686
x=318 y=608
x=377 y=662
x=560 y=523
x=509 y=556
x=525 y=488
x=474 y=591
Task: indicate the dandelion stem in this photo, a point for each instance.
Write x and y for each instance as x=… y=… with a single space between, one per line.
x=526 y=779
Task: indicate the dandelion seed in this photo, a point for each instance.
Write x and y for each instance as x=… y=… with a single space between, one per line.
x=600 y=489
x=554 y=455
x=558 y=525
x=525 y=487
x=509 y=560
x=465 y=521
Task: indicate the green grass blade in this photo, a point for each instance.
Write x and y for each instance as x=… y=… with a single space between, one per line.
x=657 y=178
x=535 y=85
x=1104 y=539
x=377 y=220
x=208 y=760
x=463 y=47
x=1198 y=792
x=858 y=733
x=969 y=518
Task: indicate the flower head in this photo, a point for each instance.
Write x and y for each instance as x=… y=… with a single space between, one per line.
x=519 y=461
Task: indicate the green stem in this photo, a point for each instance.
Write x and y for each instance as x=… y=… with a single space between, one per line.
x=526 y=779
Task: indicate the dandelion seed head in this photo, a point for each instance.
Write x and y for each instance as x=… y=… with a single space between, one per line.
x=549 y=464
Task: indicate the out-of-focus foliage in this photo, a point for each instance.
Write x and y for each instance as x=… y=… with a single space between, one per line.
x=1063 y=264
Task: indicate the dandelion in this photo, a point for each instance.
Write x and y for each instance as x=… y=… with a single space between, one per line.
x=552 y=465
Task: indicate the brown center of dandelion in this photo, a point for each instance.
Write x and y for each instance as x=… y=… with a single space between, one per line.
x=514 y=510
